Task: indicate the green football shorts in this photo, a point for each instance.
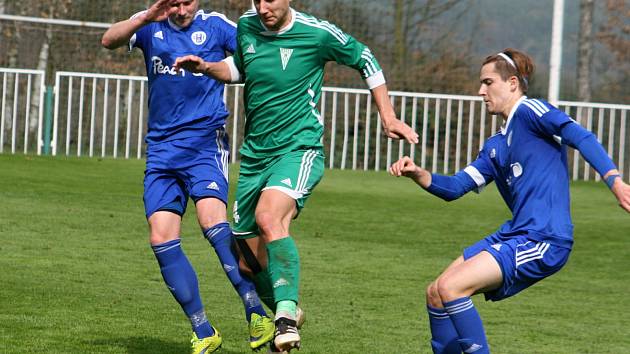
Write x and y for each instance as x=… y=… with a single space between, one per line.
x=295 y=173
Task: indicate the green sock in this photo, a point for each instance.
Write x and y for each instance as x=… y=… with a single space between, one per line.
x=284 y=268
x=287 y=307
x=262 y=280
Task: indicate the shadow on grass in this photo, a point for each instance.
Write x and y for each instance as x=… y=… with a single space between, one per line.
x=150 y=345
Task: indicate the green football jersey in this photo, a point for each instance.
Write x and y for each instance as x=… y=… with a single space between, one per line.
x=283 y=74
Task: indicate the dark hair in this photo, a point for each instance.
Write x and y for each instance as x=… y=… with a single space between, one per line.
x=523 y=62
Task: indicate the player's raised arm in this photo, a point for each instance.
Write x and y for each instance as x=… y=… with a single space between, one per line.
x=346 y=50
x=222 y=71
x=121 y=32
x=392 y=126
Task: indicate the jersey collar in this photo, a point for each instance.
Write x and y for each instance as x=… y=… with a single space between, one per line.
x=285 y=29
x=174 y=25
x=505 y=126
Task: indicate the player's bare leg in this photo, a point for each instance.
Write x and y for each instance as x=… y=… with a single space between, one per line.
x=274 y=213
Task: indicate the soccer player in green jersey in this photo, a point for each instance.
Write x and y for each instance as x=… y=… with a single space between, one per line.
x=280 y=56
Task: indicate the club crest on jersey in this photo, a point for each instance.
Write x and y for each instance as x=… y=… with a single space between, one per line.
x=517 y=169
x=285 y=55
x=198 y=37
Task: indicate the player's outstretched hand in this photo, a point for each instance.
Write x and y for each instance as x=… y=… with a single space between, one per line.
x=190 y=63
x=405 y=167
x=621 y=190
x=397 y=129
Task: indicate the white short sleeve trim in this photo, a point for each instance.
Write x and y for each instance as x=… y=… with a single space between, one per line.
x=235 y=75
x=132 y=42
x=375 y=80
x=475 y=175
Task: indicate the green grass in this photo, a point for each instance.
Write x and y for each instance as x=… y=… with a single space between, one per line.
x=78 y=276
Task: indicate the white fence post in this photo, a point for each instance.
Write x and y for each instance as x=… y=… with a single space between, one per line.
x=21 y=93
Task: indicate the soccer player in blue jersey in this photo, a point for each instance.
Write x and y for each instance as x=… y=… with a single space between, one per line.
x=187 y=154
x=527 y=160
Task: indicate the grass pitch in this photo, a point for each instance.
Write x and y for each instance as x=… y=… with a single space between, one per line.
x=78 y=276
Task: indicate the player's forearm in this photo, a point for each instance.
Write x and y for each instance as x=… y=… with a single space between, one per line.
x=587 y=144
x=450 y=187
x=121 y=32
x=594 y=153
x=219 y=71
x=384 y=105
x=422 y=177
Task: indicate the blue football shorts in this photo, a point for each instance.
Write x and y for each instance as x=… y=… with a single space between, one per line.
x=195 y=167
x=523 y=261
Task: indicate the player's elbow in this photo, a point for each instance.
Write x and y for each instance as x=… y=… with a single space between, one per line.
x=109 y=42
x=451 y=198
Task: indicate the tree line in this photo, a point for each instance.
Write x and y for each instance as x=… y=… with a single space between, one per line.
x=422 y=45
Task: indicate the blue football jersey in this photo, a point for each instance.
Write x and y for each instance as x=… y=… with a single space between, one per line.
x=528 y=163
x=183 y=104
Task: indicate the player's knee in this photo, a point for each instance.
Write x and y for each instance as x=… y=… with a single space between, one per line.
x=210 y=212
x=433 y=296
x=163 y=228
x=210 y=222
x=446 y=289
x=157 y=237
x=268 y=223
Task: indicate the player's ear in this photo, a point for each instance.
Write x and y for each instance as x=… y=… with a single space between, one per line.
x=514 y=83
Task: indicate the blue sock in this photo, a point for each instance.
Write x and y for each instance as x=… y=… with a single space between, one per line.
x=465 y=318
x=443 y=334
x=181 y=280
x=220 y=237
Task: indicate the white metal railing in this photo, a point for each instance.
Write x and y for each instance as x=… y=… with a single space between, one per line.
x=439 y=119
x=105 y=115
x=601 y=119
x=84 y=107
x=52 y=21
x=22 y=104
